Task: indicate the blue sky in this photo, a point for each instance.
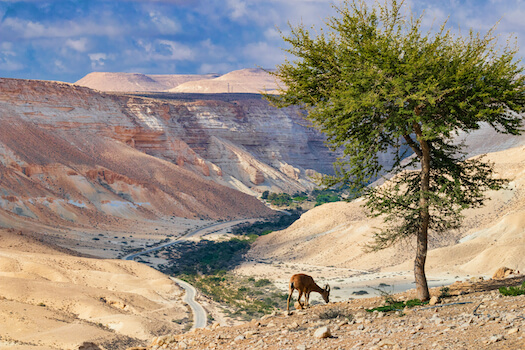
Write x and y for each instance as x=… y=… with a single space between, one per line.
x=65 y=40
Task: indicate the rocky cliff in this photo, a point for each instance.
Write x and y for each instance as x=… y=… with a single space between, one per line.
x=71 y=153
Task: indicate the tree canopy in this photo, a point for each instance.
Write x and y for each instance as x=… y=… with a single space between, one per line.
x=378 y=85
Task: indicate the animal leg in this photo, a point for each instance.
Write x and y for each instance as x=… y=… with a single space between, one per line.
x=289 y=298
x=299 y=299
x=307 y=298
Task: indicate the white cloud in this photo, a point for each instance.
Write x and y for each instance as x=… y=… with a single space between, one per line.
x=174 y=50
x=264 y=54
x=238 y=9
x=220 y=68
x=164 y=24
x=26 y=29
x=79 y=45
x=98 y=60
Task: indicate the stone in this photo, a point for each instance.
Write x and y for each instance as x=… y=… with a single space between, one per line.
x=93 y=346
x=323 y=332
x=503 y=272
x=239 y=338
x=496 y=338
x=433 y=301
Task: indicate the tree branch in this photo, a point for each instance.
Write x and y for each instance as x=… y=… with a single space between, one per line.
x=413 y=145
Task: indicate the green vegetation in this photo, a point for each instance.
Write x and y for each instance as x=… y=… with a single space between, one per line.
x=397 y=305
x=245 y=298
x=205 y=264
x=261 y=228
x=513 y=291
x=206 y=257
x=317 y=197
x=379 y=85
x=325 y=196
x=280 y=199
x=445 y=292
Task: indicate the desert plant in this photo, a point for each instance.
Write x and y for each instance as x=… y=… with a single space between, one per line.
x=513 y=291
x=445 y=292
x=262 y=282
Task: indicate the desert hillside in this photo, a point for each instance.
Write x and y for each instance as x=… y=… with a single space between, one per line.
x=252 y=81
x=134 y=82
x=239 y=81
x=50 y=299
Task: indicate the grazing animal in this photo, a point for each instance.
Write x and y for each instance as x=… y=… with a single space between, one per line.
x=305 y=285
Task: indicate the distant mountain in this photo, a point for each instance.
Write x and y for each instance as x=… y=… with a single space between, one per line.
x=239 y=81
x=136 y=82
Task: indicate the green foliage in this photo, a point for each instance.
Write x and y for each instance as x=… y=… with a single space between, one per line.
x=445 y=292
x=261 y=228
x=280 y=199
x=265 y=194
x=244 y=296
x=262 y=282
x=397 y=305
x=513 y=291
x=206 y=257
x=326 y=198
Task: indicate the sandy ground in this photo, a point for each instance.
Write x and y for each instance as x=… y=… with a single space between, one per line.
x=50 y=299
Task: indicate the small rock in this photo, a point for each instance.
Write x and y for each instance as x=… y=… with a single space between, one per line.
x=513 y=331
x=293 y=325
x=239 y=338
x=91 y=346
x=387 y=342
x=434 y=300
x=323 y=332
x=301 y=347
x=496 y=338
x=342 y=323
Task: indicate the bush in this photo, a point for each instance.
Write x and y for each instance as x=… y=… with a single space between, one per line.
x=513 y=291
x=397 y=305
x=262 y=282
x=335 y=312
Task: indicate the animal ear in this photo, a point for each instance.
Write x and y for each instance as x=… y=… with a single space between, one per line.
x=327 y=288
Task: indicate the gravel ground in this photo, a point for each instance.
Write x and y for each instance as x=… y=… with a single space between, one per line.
x=474 y=316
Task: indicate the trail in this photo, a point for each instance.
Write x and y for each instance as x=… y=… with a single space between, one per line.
x=199 y=314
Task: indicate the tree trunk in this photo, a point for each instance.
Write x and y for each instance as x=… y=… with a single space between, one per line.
x=422 y=234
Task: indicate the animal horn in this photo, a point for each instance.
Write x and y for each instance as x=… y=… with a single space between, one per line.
x=327 y=288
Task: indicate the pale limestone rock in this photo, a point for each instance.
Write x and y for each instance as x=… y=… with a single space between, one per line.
x=323 y=332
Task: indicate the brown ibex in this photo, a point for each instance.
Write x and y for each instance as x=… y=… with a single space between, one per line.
x=305 y=285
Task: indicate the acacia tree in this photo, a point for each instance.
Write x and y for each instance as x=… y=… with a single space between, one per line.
x=377 y=85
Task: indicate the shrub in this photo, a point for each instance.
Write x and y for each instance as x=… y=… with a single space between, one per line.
x=335 y=312
x=262 y=282
x=513 y=291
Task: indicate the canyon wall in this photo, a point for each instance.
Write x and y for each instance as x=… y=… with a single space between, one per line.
x=69 y=153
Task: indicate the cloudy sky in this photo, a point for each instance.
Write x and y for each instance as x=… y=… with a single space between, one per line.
x=67 y=39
